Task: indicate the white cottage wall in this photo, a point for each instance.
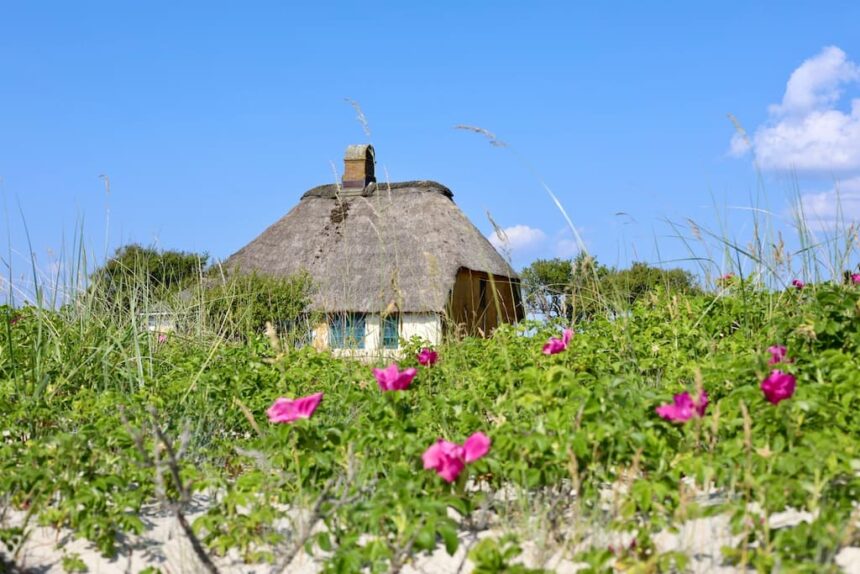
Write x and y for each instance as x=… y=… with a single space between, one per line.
x=428 y=326
x=372 y=333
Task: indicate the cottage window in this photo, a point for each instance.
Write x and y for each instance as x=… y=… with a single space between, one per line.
x=390 y=331
x=346 y=331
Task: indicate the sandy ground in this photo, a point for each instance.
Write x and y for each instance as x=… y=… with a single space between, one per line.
x=164 y=546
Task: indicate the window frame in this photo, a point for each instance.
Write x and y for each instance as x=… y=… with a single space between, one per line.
x=384 y=341
x=343 y=331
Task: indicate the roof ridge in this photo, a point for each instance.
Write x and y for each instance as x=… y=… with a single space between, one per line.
x=333 y=190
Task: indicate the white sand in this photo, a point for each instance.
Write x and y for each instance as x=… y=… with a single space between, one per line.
x=164 y=546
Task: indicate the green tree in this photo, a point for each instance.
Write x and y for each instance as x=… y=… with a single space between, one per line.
x=546 y=283
x=628 y=285
x=244 y=303
x=135 y=274
x=596 y=288
x=586 y=290
x=582 y=288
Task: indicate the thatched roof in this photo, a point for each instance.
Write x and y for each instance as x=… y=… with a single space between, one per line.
x=392 y=246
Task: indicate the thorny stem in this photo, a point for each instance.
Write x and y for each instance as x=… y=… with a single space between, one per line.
x=314 y=517
x=172 y=464
x=316 y=514
x=747 y=480
x=401 y=554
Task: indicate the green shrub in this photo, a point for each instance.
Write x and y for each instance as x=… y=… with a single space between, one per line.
x=583 y=288
x=137 y=274
x=563 y=427
x=242 y=305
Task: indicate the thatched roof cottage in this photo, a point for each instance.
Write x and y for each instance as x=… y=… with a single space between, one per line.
x=389 y=261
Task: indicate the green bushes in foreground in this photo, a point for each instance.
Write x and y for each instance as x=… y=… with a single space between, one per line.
x=564 y=428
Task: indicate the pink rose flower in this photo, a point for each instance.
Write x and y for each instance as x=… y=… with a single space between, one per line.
x=392 y=379
x=683 y=408
x=446 y=458
x=778 y=386
x=554 y=345
x=777 y=354
x=449 y=459
x=427 y=357
x=288 y=410
x=476 y=446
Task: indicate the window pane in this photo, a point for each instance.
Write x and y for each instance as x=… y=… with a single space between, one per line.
x=346 y=331
x=356 y=331
x=391 y=332
x=336 y=332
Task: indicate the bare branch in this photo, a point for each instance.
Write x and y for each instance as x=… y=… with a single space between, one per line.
x=171 y=465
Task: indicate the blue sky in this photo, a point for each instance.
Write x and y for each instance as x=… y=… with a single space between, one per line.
x=211 y=119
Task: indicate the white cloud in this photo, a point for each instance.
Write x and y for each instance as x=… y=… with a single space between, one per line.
x=522 y=244
x=822 y=141
x=566 y=248
x=829 y=209
x=739 y=145
x=807 y=131
x=517 y=238
x=817 y=83
x=815 y=131
x=565 y=244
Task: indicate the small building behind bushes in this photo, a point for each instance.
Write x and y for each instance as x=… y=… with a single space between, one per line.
x=160 y=319
x=388 y=261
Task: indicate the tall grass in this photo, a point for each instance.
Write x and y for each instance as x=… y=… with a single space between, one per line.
x=83 y=340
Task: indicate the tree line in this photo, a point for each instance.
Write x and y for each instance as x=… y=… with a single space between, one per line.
x=580 y=288
x=139 y=280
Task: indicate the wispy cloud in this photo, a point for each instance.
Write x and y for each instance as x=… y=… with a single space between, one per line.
x=807 y=131
x=518 y=239
x=815 y=132
x=828 y=209
x=524 y=243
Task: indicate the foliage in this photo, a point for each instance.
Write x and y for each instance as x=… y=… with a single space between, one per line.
x=243 y=304
x=135 y=272
x=583 y=288
x=493 y=557
x=566 y=430
x=72 y=563
x=546 y=284
x=629 y=285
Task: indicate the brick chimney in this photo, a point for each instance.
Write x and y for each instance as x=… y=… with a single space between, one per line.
x=358 y=166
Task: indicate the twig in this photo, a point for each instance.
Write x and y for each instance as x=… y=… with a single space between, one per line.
x=172 y=466
x=401 y=555
x=472 y=540
x=248 y=415
x=195 y=542
x=473 y=528
x=314 y=517
x=172 y=460
x=317 y=514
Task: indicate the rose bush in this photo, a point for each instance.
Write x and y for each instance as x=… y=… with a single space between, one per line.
x=565 y=426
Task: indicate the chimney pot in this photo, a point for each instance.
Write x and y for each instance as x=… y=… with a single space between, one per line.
x=358 y=164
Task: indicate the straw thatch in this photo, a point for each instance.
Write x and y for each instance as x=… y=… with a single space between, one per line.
x=383 y=248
